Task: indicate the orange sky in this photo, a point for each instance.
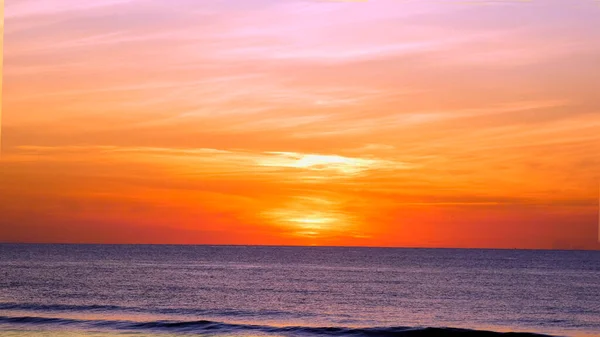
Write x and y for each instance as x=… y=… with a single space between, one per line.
x=379 y=123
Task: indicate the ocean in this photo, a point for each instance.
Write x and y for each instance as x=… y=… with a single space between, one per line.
x=147 y=290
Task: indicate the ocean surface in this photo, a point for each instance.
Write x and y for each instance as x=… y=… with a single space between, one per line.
x=137 y=290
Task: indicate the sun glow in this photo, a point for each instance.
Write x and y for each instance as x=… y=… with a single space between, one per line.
x=301 y=221
x=344 y=165
x=309 y=216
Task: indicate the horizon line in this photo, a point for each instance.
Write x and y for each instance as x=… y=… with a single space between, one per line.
x=291 y=246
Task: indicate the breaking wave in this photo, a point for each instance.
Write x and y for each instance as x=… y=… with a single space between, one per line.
x=217 y=328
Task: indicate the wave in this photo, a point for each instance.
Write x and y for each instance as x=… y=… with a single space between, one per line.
x=52 y=308
x=216 y=328
x=59 y=307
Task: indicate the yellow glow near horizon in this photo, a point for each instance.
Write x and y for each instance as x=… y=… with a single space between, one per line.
x=310 y=216
x=301 y=220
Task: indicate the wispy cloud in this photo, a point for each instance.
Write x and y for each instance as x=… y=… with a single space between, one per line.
x=35 y=8
x=328 y=166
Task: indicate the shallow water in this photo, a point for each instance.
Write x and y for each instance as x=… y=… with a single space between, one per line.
x=292 y=291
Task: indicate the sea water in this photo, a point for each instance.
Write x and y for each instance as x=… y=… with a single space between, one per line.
x=147 y=290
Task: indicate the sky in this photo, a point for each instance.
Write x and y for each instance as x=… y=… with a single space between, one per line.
x=297 y=122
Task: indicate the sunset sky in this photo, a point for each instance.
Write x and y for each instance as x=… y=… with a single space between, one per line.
x=296 y=122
